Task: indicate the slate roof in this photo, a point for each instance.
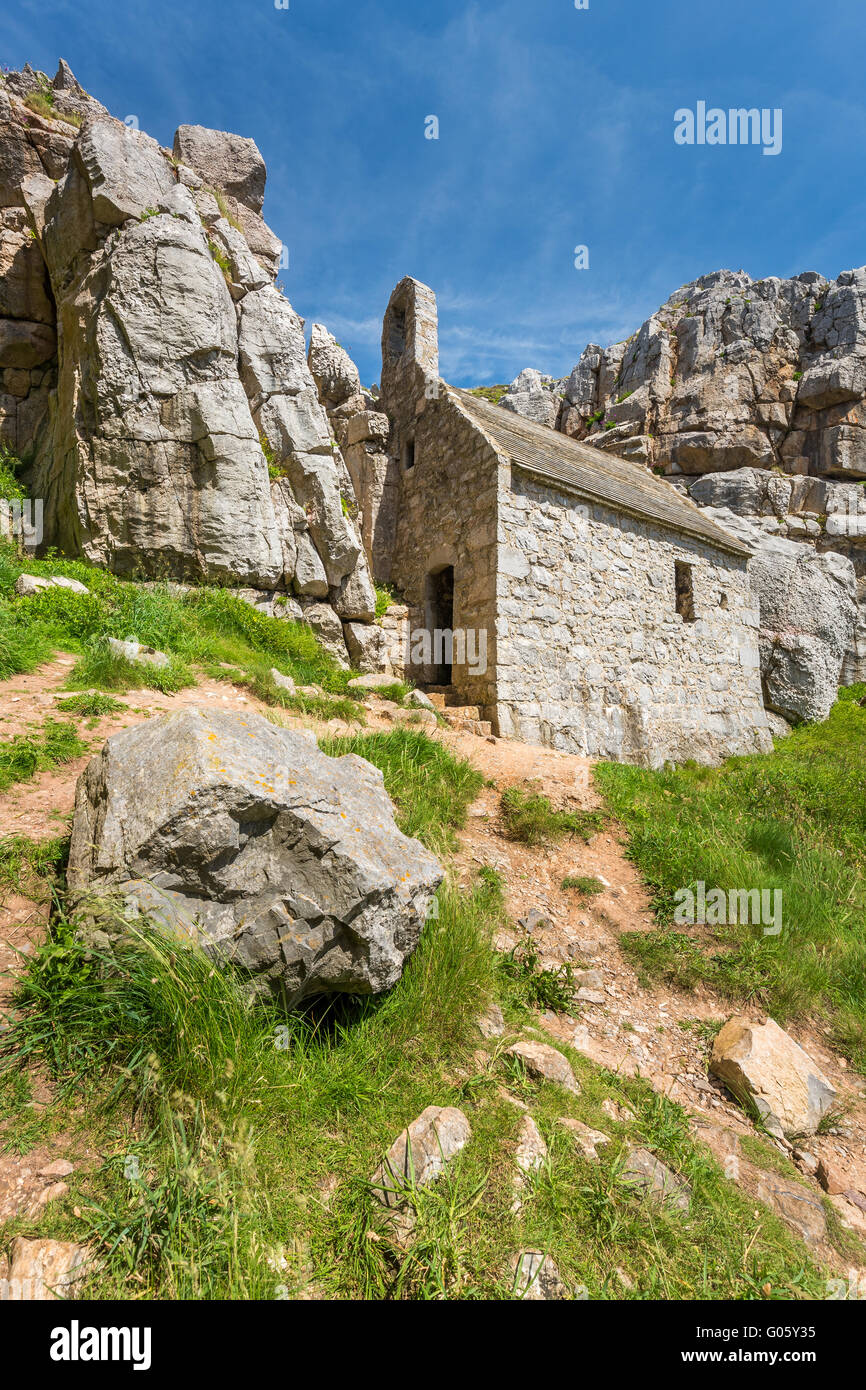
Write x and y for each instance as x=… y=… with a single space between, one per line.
x=598 y=476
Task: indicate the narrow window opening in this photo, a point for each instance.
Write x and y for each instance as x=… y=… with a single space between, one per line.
x=409 y=454
x=685 y=591
x=397 y=334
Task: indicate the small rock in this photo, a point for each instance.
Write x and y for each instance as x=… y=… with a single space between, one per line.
x=830 y=1178
x=136 y=651
x=491 y=1024
x=374 y=680
x=546 y=1064
x=806 y=1162
x=591 y=996
x=42 y=1270
x=646 y=1172
x=283 y=682
x=797 y=1207
x=536 y=1278
x=530 y=1154
x=589 y=979
x=419 y=700
x=28 y=585
x=420 y=1153
x=60 y=1168
x=585 y=1138
x=533 y=920
x=620 y=1113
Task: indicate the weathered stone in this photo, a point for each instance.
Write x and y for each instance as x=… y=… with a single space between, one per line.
x=546 y=1064
x=328 y=629
x=587 y=1139
x=808 y=613
x=126 y=172
x=334 y=372
x=27 y=585
x=228 y=162
x=760 y=1064
x=647 y=1173
x=529 y=1155
x=282 y=682
x=373 y=681
x=798 y=1207
x=533 y=396
x=42 y=1270
x=419 y=1155
x=491 y=1023
x=365 y=645
x=138 y=652
x=276 y=857
x=536 y=1278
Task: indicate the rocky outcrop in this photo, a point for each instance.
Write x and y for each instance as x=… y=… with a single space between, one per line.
x=242 y=837
x=184 y=435
x=533 y=396
x=363 y=433
x=809 y=619
x=827 y=517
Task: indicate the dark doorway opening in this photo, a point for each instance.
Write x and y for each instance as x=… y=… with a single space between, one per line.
x=440 y=621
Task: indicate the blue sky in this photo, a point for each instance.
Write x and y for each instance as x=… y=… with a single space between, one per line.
x=555 y=130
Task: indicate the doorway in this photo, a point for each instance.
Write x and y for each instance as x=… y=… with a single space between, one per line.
x=440 y=621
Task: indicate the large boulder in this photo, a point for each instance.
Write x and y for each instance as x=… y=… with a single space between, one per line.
x=761 y=1064
x=243 y=837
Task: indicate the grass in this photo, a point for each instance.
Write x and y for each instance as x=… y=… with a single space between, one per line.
x=238 y=1143
x=91 y=704
x=204 y=627
x=493 y=394
x=530 y=817
x=31 y=867
x=534 y=986
x=792 y=821
x=586 y=886
x=41 y=750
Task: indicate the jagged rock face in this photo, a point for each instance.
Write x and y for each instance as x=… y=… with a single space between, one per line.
x=262 y=849
x=363 y=433
x=533 y=396
x=828 y=517
x=180 y=374
x=808 y=616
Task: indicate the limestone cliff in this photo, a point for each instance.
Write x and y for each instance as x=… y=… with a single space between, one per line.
x=154 y=378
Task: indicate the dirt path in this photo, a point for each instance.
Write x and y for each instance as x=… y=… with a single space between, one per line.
x=616 y=1022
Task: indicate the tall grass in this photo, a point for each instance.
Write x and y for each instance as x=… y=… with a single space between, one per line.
x=793 y=821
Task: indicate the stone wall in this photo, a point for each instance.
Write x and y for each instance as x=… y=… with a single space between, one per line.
x=592 y=654
x=447 y=517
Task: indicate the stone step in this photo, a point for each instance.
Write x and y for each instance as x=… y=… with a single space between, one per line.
x=462 y=713
x=482 y=727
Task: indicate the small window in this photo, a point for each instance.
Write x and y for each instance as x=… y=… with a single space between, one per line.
x=409 y=454
x=685 y=591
